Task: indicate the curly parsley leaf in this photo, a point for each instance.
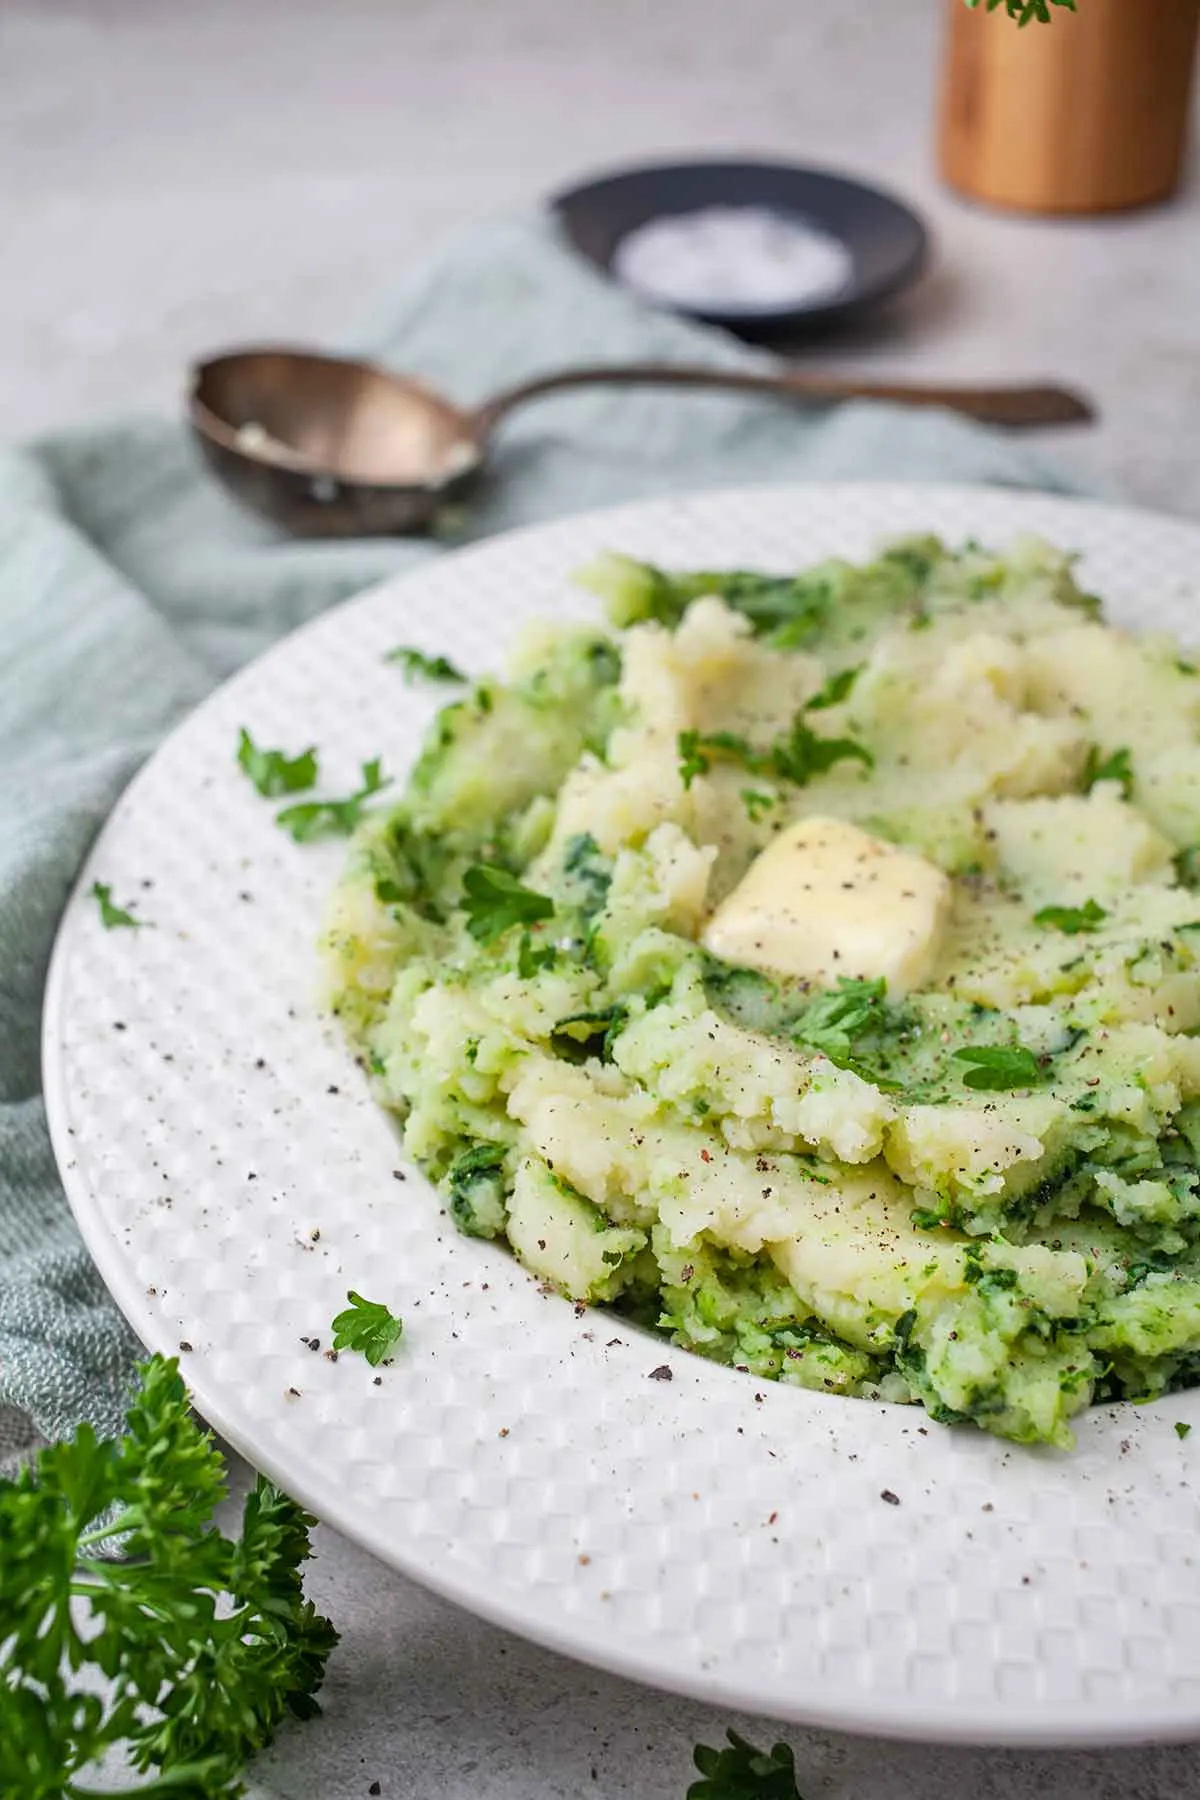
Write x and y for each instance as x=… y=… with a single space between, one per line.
x=183 y=1654
x=1117 y=766
x=494 y=901
x=743 y=1773
x=415 y=665
x=1025 y=12
x=112 y=917
x=272 y=772
x=998 y=1067
x=834 y=1021
x=311 y=819
x=368 y=1327
x=1072 y=919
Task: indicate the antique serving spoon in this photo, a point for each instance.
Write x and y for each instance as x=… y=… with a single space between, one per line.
x=330 y=447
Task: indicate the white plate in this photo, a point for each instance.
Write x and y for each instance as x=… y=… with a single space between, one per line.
x=725 y=1539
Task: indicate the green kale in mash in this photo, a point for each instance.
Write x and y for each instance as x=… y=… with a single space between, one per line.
x=807 y=966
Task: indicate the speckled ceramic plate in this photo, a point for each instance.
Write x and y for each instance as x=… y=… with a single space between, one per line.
x=817 y=1558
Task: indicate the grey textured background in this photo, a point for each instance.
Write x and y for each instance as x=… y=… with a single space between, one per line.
x=175 y=175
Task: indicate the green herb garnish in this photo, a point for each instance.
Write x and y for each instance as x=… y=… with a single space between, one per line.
x=797 y=757
x=998 y=1067
x=311 y=819
x=1187 y=866
x=1025 y=12
x=494 y=901
x=368 y=1327
x=193 y=1647
x=836 y=689
x=795 y=605
x=803 y=754
x=112 y=917
x=415 y=665
x=744 y=1773
x=834 y=1021
x=1182 y=1430
x=272 y=772
x=532 y=959
x=1072 y=919
x=1117 y=766
x=757 y=803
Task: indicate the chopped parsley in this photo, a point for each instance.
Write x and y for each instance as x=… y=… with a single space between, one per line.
x=273 y=773
x=310 y=819
x=793 y=608
x=1187 y=866
x=494 y=901
x=795 y=757
x=368 y=1327
x=1072 y=919
x=757 y=803
x=533 y=958
x=998 y=1067
x=833 y=1022
x=1182 y=1430
x=836 y=689
x=803 y=754
x=1117 y=766
x=112 y=917
x=415 y=665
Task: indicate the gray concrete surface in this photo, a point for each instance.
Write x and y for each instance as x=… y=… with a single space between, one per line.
x=175 y=175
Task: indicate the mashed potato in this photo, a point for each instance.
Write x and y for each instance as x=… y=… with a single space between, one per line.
x=807 y=967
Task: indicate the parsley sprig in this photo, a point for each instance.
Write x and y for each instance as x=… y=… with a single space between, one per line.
x=112 y=916
x=310 y=819
x=186 y=1652
x=368 y=1327
x=416 y=665
x=743 y=1773
x=272 y=772
x=1025 y=12
x=494 y=901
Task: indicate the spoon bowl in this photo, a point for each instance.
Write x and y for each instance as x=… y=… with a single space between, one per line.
x=329 y=447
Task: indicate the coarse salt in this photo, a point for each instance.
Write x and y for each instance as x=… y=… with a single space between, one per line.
x=733 y=259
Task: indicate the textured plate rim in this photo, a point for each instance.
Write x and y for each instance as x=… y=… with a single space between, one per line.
x=890 y=1718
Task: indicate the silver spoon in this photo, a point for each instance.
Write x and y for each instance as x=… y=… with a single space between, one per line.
x=330 y=447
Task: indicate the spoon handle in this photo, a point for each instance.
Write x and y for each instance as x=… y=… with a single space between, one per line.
x=1037 y=404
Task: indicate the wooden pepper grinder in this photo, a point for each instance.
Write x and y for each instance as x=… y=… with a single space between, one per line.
x=1088 y=113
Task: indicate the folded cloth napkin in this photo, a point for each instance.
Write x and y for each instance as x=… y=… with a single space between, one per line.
x=130 y=586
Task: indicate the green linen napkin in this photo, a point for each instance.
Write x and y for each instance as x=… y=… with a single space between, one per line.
x=130 y=586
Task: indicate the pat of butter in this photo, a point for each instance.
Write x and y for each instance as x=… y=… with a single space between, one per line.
x=826 y=899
